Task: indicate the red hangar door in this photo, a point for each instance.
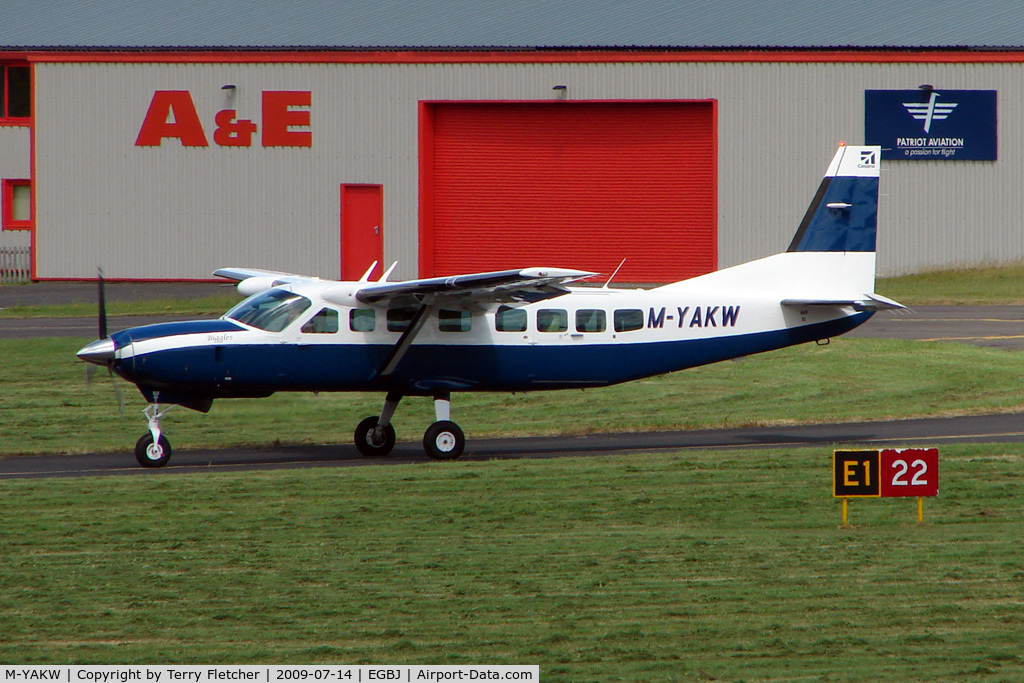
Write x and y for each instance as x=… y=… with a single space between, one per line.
x=569 y=184
x=362 y=229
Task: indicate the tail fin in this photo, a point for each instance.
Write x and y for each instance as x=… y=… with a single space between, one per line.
x=844 y=213
x=831 y=260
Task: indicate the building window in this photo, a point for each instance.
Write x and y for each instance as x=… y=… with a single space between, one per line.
x=15 y=91
x=17 y=203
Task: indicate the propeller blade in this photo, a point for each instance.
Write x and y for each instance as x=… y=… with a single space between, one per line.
x=117 y=391
x=103 y=306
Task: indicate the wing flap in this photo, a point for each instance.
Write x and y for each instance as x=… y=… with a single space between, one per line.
x=503 y=286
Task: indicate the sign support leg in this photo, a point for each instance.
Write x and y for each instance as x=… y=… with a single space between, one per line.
x=845 y=511
x=920 y=509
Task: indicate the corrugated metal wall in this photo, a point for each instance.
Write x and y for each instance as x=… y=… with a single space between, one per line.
x=174 y=212
x=15 y=164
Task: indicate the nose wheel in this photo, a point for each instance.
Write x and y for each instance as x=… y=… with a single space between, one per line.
x=153 y=449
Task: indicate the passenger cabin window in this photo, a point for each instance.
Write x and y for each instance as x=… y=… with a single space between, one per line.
x=15 y=92
x=362 y=320
x=454 y=321
x=628 y=320
x=400 y=318
x=272 y=310
x=324 y=322
x=590 y=320
x=552 y=320
x=509 y=319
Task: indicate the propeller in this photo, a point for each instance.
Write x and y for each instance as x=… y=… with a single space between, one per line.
x=101 y=351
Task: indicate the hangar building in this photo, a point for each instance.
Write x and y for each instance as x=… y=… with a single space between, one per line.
x=165 y=140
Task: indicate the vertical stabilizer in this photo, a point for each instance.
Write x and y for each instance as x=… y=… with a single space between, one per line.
x=844 y=213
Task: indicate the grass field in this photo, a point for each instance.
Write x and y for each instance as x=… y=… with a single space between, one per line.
x=682 y=567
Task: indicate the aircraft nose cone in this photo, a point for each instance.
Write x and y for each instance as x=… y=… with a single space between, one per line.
x=99 y=352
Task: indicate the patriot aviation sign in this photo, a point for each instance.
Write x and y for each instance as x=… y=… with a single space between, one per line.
x=927 y=124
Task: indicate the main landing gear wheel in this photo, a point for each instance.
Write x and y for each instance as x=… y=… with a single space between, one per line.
x=444 y=440
x=374 y=442
x=150 y=454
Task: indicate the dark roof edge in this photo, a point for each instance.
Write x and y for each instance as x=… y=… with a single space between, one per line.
x=514 y=49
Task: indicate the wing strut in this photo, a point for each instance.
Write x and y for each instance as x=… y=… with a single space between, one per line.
x=405 y=341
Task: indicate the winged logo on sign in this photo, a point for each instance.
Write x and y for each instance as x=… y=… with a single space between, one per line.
x=930 y=111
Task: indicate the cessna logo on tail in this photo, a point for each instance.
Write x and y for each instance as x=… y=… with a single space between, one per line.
x=930 y=111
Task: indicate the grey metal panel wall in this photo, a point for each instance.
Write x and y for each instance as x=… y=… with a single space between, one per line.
x=173 y=212
x=15 y=164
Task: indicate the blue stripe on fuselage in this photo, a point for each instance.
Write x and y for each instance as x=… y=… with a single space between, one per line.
x=135 y=334
x=226 y=370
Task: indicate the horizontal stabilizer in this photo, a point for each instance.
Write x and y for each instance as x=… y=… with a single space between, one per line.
x=869 y=302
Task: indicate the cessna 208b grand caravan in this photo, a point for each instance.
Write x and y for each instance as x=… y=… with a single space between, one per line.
x=512 y=330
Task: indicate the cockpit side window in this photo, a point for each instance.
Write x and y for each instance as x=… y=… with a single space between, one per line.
x=272 y=310
x=324 y=322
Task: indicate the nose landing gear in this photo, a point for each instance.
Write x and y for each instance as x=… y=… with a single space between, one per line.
x=153 y=449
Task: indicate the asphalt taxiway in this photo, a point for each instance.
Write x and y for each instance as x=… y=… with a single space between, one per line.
x=898 y=433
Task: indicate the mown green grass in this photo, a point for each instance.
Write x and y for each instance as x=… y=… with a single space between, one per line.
x=211 y=305
x=986 y=285
x=679 y=567
x=47 y=407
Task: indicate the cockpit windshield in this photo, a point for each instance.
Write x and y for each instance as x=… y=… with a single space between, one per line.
x=272 y=310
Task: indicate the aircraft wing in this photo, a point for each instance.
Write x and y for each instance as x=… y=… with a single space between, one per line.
x=869 y=302
x=252 y=280
x=503 y=286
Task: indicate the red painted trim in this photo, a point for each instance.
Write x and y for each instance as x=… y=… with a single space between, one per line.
x=456 y=56
x=6 y=94
x=426 y=189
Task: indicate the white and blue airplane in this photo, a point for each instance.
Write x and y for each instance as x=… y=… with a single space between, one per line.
x=511 y=330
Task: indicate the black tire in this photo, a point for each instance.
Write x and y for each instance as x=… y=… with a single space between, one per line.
x=150 y=455
x=444 y=440
x=374 y=447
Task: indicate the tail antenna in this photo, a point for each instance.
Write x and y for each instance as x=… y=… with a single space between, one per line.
x=614 y=274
